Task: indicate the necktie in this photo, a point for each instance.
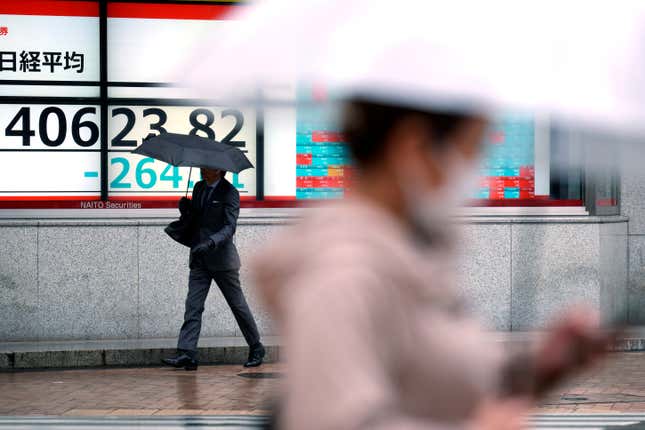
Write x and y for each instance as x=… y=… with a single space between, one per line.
x=207 y=194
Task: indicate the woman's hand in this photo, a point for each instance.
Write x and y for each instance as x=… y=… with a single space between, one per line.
x=574 y=343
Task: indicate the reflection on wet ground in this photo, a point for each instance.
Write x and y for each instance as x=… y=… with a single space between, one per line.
x=232 y=397
x=212 y=390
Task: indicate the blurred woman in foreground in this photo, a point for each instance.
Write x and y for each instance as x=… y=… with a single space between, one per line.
x=374 y=332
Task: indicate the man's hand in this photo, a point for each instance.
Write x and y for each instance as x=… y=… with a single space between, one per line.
x=203 y=247
x=184 y=205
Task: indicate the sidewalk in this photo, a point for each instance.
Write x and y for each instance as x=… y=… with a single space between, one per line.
x=213 y=350
x=616 y=387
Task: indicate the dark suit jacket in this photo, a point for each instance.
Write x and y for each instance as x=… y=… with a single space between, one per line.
x=217 y=221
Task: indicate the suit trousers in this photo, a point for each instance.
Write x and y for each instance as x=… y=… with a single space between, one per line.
x=198 y=286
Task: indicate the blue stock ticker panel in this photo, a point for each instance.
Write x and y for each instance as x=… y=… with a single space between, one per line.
x=323 y=168
x=322 y=162
x=508 y=170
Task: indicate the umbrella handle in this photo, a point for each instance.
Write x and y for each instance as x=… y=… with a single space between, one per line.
x=188 y=183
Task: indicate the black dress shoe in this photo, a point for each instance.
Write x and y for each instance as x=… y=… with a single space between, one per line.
x=256 y=357
x=182 y=360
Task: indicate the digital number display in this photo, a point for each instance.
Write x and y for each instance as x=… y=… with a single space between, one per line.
x=52 y=127
x=132 y=174
x=322 y=160
x=55 y=150
x=49 y=150
x=50 y=49
x=508 y=167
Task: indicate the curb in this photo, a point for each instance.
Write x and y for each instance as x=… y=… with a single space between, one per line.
x=61 y=357
x=76 y=359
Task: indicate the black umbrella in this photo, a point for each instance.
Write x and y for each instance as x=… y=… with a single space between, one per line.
x=194 y=151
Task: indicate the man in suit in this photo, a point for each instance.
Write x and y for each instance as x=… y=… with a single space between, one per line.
x=212 y=218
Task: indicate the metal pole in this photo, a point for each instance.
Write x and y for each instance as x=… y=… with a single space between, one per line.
x=190 y=172
x=103 y=97
x=259 y=145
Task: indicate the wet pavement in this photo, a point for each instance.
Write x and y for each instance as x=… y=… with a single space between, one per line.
x=233 y=397
x=212 y=390
x=618 y=385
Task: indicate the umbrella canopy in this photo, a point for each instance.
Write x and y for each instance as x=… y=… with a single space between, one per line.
x=576 y=60
x=194 y=151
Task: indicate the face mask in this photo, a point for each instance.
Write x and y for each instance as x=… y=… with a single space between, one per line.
x=430 y=210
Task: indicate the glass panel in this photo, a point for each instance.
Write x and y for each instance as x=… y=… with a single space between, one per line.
x=602 y=178
x=147 y=181
x=517 y=167
x=508 y=166
x=66 y=64
x=566 y=182
x=322 y=161
x=50 y=155
x=154 y=43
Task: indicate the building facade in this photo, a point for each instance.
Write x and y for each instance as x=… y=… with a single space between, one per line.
x=84 y=255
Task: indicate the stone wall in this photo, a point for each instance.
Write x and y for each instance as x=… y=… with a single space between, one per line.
x=633 y=206
x=125 y=279
x=520 y=273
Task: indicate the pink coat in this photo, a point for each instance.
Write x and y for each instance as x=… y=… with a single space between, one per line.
x=374 y=332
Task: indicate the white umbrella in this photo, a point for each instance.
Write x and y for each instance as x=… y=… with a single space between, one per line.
x=580 y=60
